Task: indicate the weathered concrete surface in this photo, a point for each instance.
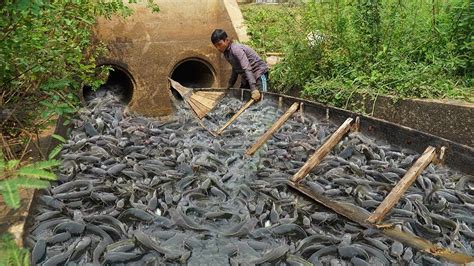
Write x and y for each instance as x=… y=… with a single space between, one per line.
x=149 y=45
x=237 y=20
x=452 y=120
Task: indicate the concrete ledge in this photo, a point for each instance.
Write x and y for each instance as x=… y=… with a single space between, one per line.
x=237 y=20
x=453 y=120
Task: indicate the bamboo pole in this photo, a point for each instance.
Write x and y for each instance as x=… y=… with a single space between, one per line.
x=397 y=192
x=250 y=102
x=322 y=151
x=272 y=129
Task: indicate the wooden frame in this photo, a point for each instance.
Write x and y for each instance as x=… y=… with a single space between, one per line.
x=397 y=192
x=353 y=213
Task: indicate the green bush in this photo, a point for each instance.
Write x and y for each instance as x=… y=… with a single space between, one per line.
x=271 y=27
x=419 y=49
x=47 y=54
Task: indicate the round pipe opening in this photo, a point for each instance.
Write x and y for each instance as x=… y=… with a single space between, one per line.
x=119 y=83
x=193 y=73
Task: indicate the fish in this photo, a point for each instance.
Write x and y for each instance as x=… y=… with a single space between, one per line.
x=80 y=247
x=152 y=244
x=134 y=189
x=272 y=254
x=38 y=252
x=136 y=214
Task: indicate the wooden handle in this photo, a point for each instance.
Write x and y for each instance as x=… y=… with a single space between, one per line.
x=272 y=129
x=250 y=102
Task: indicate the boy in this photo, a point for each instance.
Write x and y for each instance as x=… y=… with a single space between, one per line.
x=244 y=61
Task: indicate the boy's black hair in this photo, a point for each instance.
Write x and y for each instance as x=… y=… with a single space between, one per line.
x=217 y=35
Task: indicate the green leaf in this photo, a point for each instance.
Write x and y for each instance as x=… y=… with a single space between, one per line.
x=58 y=137
x=11 y=253
x=12 y=164
x=26 y=257
x=45 y=164
x=30 y=183
x=55 y=151
x=38 y=173
x=23 y=4
x=10 y=194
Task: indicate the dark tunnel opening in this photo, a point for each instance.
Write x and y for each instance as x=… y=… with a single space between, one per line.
x=118 y=83
x=193 y=73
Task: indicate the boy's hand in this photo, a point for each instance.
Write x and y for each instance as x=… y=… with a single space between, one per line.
x=255 y=95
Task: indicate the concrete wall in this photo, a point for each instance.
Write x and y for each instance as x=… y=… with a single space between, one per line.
x=149 y=46
x=448 y=119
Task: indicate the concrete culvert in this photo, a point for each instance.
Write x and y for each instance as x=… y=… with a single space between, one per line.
x=193 y=73
x=119 y=83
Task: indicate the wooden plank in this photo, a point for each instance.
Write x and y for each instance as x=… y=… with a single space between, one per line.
x=211 y=98
x=356 y=125
x=359 y=215
x=199 y=109
x=200 y=102
x=397 y=192
x=209 y=103
x=322 y=151
x=236 y=115
x=302 y=112
x=293 y=108
x=214 y=95
x=441 y=155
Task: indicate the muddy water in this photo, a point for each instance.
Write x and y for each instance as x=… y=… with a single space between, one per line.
x=134 y=190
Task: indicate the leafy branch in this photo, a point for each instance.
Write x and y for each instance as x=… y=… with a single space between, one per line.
x=11 y=253
x=14 y=176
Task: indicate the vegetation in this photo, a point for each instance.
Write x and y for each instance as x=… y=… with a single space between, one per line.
x=35 y=175
x=11 y=254
x=335 y=50
x=47 y=53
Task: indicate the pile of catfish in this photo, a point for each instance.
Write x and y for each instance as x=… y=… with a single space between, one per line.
x=139 y=191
